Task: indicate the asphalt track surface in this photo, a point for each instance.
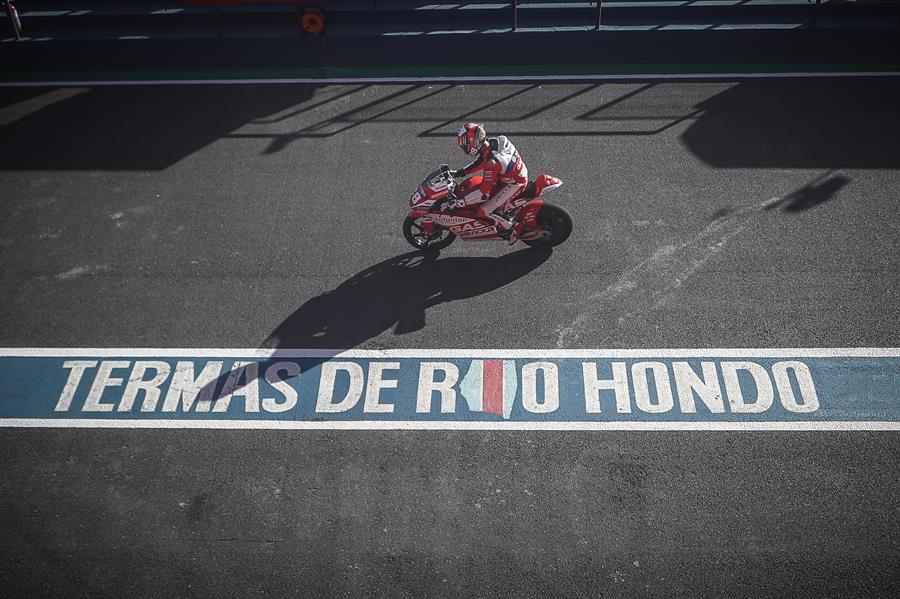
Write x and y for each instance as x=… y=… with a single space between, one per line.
x=752 y=213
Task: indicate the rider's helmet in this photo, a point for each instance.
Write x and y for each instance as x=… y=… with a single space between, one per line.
x=470 y=138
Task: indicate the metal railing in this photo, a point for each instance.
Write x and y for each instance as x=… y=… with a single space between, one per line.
x=515 y=11
x=48 y=17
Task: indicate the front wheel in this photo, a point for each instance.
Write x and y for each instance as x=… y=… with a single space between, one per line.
x=416 y=236
x=555 y=227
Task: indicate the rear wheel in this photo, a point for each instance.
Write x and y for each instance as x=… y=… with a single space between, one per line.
x=556 y=226
x=416 y=236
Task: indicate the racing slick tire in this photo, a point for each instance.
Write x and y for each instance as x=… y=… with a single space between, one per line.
x=416 y=237
x=556 y=226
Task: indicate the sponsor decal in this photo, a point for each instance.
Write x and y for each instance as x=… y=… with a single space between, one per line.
x=446 y=220
x=580 y=389
x=473 y=228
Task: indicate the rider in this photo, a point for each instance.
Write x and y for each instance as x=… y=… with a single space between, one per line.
x=505 y=176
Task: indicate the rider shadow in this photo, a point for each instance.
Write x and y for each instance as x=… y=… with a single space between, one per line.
x=393 y=293
x=396 y=293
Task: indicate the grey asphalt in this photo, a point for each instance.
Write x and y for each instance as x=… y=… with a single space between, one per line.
x=753 y=213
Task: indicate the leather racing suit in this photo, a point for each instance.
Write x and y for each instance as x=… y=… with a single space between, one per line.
x=505 y=176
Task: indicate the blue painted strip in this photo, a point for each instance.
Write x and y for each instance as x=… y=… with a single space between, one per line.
x=427 y=389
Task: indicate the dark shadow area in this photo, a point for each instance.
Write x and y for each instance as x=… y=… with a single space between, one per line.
x=14 y=95
x=394 y=293
x=307 y=107
x=468 y=115
x=349 y=120
x=623 y=98
x=817 y=191
x=135 y=127
x=827 y=123
x=519 y=125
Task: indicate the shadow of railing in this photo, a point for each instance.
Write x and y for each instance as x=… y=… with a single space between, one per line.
x=122 y=128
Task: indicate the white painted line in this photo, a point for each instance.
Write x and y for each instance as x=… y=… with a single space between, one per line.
x=467 y=79
x=451 y=32
x=756 y=26
x=44 y=13
x=814 y=352
x=686 y=27
x=397 y=425
x=648 y=4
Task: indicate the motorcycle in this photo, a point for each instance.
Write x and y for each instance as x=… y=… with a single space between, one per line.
x=427 y=227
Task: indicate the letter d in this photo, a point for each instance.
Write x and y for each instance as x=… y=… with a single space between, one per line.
x=325 y=401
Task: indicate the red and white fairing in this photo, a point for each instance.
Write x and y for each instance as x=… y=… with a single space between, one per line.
x=465 y=222
x=436 y=186
x=545 y=182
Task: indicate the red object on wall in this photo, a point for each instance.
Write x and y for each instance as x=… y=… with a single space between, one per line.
x=312 y=21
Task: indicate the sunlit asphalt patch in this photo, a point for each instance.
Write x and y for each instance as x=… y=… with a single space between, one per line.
x=708 y=389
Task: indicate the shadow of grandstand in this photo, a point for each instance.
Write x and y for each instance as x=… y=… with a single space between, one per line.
x=120 y=128
x=777 y=123
x=816 y=123
x=394 y=293
x=800 y=123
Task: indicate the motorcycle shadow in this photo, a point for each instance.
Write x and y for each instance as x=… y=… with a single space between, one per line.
x=396 y=293
x=393 y=293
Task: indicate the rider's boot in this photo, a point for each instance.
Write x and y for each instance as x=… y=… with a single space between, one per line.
x=515 y=233
x=503 y=224
x=507 y=229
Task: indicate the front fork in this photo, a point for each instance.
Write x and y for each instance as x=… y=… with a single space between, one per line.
x=427 y=226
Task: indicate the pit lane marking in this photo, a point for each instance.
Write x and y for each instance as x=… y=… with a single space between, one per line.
x=812 y=389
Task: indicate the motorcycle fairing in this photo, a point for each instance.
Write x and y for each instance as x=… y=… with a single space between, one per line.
x=466 y=225
x=528 y=217
x=545 y=182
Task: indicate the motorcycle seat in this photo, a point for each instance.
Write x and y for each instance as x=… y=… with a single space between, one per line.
x=528 y=192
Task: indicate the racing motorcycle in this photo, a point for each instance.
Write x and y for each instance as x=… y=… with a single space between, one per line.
x=428 y=227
